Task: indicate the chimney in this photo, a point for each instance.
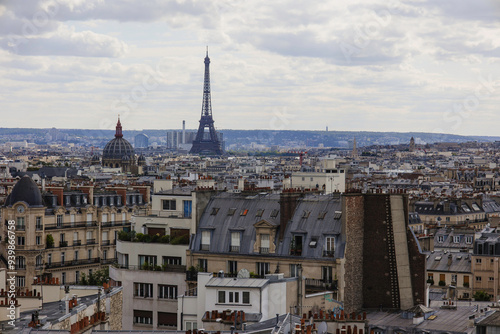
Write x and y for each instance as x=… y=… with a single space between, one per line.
x=450 y=259
x=58 y=191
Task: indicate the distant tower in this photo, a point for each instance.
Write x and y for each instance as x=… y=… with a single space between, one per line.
x=206 y=141
x=412 y=144
x=354 y=149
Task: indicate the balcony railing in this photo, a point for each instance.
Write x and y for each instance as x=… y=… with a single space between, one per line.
x=77 y=242
x=205 y=247
x=63 y=244
x=39 y=227
x=166 y=267
x=70 y=225
x=20 y=227
x=235 y=249
x=71 y=263
x=116 y=223
x=264 y=250
x=321 y=284
x=109 y=261
x=90 y=241
x=329 y=253
x=106 y=243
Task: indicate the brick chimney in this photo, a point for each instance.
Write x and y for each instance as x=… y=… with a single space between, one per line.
x=288 y=203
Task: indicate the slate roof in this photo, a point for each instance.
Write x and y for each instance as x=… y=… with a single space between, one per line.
x=438 y=261
x=428 y=208
x=223 y=215
x=25 y=190
x=237 y=282
x=449 y=240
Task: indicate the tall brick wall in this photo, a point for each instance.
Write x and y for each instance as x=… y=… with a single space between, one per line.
x=371 y=277
x=353 y=217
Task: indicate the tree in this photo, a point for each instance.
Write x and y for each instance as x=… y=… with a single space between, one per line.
x=50 y=241
x=481 y=296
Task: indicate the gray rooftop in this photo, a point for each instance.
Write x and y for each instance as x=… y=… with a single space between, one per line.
x=237 y=282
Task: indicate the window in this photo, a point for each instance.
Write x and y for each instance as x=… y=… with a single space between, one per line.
x=468 y=239
x=63 y=278
x=337 y=215
x=326 y=274
x=167 y=319
x=20 y=262
x=190 y=325
x=63 y=257
x=246 y=297
x=221 y=297
x=294 y=270
x=244 y=212
x=174 y=260
x=454 y=278
x=59 y=220
x=72 y=219
x=20 y=241
x=168 y=204
x=263 y=268
x=232 y=267
x=456 y=239
x=478 y=260
x=20 y=224
x=167 y=291
x=259 y=213
x=274 y=213
x=104 y=217
x=214 y=211
x=105 y=254
x=329 y=246
x=440 y=238
x=478 y=278
x=38 y=223
x=143 y=317
x=322 y=215
x=147 y=260
x=203 y=264
x=305 y=214
x=231 y=211
x=264 y=243
x=77 y=277
x=205 y=240
x=49 y=259
x=38 y=262
x=20 y=281
x=89 y=254
x=491 y=278
x=430 y=277
x=235 y=241
x=143 y=290
x=234 y=297
x=89 y=219
x=447 y=219
x=76 y=256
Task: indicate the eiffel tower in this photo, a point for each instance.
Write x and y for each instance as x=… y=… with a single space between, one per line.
x=206 y=141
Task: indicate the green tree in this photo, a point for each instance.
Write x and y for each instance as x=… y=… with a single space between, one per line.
x=50 y=241
x=481 y=296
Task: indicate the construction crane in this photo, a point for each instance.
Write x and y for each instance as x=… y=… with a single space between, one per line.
x=301 y=155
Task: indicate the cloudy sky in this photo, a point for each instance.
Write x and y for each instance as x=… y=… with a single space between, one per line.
x=418 y=65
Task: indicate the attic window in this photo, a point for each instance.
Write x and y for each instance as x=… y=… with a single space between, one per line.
x=231 y=211
x=337 y=215
x=313 y=243
x=322 y=215
x=274 y=213
x=244 y=212
x=306 y=214
x=259 y=213
x=437 y=258
x=214 y=211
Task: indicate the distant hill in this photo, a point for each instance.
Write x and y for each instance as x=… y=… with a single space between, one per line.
x=336 y=139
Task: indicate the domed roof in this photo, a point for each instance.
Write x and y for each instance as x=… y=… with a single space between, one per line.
x=25 y=190
x=118 y=147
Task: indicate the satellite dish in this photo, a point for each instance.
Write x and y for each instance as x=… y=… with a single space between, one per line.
x=322 y=328
x=243 y=273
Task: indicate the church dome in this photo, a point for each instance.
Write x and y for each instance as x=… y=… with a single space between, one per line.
x=25 y=190
x=118 y=147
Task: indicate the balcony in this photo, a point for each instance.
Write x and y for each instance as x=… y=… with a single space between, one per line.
x=72 y=263
x=39 y=227
x=235 y=249
x=77 y=242
x=149 y=267
x=264 y=250
x=70 y=225
x=116 y=223
x=90 y=241
x=20 y=227
x=106 y=243
x=109 y=261
x=205 y=247
x=313 y=284
x=328 y=253
x=63 y=244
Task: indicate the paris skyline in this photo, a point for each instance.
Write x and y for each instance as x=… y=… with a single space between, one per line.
x=362 y=66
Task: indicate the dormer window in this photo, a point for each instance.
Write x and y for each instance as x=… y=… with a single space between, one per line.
x=468 y=239
x=274 y=213
x=214 y=211
x=244 y=212
x=440 y=238
x=264 y=244
x=259 y=213
x=205 y=240
x=235 y=242
x=456 y=239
